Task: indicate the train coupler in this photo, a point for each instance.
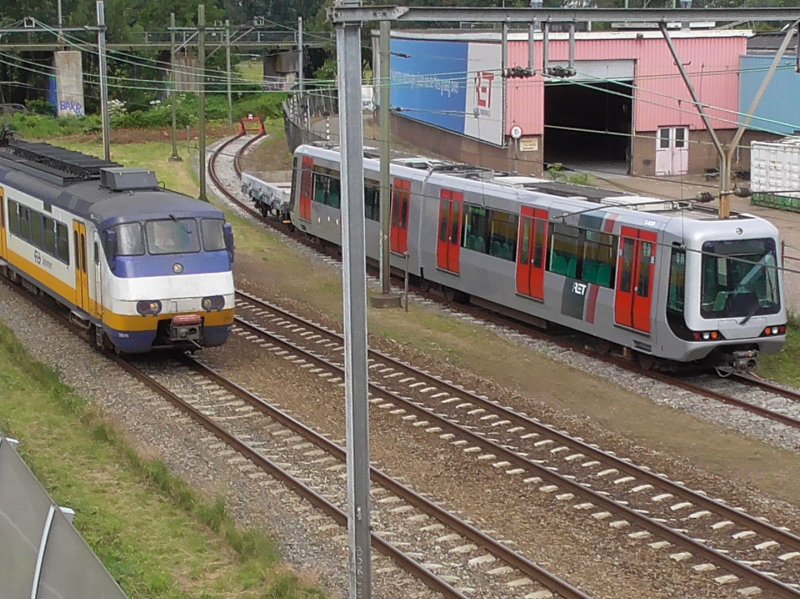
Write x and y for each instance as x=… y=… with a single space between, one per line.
x=186 y=328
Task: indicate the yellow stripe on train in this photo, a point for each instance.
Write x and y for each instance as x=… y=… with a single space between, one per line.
x=117 y=322
x=125 y=322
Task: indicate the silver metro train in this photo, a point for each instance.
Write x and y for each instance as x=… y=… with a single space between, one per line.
x=668 y=281
x=137 y=266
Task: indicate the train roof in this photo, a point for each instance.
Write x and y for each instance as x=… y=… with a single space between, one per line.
x=97 y=190
x=565 y=196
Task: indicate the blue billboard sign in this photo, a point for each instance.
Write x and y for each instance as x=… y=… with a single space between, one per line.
x=429 y=82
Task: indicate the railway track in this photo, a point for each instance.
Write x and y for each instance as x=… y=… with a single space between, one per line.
x=762 y=403
x=442 y=550
x=734 y=546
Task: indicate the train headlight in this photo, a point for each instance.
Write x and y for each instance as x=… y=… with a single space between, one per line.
x=146 y=308
x=213 y=302
x=771 y=331
x=707 y=335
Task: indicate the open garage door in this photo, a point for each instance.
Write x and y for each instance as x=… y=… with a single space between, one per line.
x=588 y=118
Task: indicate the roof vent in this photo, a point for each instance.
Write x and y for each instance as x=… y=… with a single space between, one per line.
x=128 y=179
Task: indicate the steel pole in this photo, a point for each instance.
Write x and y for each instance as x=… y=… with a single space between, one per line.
x=174 y=95
x=384 y=81
x=228 y=68
x=300 y=78
x=776 y=61
x=723 y=159
x=101 y=52
x=201 y=109
x=348 y=52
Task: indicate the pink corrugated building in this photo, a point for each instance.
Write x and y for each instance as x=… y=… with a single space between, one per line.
x=626 y=109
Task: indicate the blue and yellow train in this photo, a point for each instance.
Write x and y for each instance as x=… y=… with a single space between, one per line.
x=138 y=266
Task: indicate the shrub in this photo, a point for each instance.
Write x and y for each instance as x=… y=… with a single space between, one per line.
x=265 y=105
x=40 y=106
x=40 y=126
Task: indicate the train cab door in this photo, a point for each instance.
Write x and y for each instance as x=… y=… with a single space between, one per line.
x=306 y=187
x=97 y=267
x=401 y=199
x=448 y=251
x=3 y=223
x=81 y=266
x=636 y=264
x=531 y=252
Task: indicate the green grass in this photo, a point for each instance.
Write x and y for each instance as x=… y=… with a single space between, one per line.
x=156 y=536
x=251 y=70
x=785 y=366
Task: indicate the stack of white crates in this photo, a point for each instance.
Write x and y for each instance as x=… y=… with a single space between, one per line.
x=775 y=173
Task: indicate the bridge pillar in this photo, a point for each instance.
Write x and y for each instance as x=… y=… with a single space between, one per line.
x=68 y=92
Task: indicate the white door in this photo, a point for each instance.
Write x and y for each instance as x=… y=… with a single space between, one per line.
x=672 y=151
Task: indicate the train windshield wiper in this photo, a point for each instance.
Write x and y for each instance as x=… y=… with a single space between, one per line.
x=751 y=313
x=185 y=229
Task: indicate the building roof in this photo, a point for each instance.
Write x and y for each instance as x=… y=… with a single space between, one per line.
x=769 y=42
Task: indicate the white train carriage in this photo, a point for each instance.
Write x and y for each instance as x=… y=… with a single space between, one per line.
x=667 y=279
x=144 y=267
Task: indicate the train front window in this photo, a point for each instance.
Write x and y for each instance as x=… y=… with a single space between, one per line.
x=739 y=279
x=173 y=236
x=129 y=240
x=213 y=234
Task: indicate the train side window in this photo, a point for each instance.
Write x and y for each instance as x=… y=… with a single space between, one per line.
x=372 y=201
x=320 y=188
x=49 y=237
x=334 y=192
x=599 y=257
x=36 y=229
x=476 y=229
x=565 y=250
x=503 y=235
x=25 y=223
x=96 y=253
x=677 y=281
x=13 y=217
x=62 y=243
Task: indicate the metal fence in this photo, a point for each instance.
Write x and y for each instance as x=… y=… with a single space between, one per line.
x=307 y=119
x=42 y=556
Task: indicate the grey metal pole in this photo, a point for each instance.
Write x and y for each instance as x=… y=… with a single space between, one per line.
x=572 y=45
x=503 y=49
x=384 y=81
x=201 y=109
x=60 y=23
x=348 y=52
x=300 y=79
x=532 y=46
x=174 y=95
x=723 y=162
x=757 y=99
x=545 y=47
x=228 y=68
x=101 y=51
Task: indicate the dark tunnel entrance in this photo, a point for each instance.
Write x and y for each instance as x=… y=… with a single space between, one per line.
x=588 y=123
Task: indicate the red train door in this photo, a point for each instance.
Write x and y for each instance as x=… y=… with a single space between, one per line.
x=531 y=252
x=448 y=252
x=401 y=198
x=636 y=265
x=306 y=187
